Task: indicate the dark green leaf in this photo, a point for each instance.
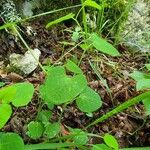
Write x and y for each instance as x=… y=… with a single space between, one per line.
x=35 y=130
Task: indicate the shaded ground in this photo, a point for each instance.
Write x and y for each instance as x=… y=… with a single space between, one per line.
x=130 y=127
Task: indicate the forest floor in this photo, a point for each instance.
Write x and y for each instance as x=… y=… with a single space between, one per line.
x=130 y=127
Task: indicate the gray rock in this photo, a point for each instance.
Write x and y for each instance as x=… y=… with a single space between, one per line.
x=25 y=63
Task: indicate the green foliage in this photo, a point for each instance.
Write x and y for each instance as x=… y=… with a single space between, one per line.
x=103 y=46
x=35 y=130
x=100 y=147
x=69 y=16
x=60 y=88
x=111 y=141
x=19 y=94
x=80 y=137
x=52 y=129
x=5 y=113
x=10 y=141
x=88 y=101
x=92 y=4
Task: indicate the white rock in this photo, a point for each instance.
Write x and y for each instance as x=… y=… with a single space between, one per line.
x=25 y=63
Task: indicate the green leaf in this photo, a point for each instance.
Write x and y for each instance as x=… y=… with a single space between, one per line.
x=11 y=141
x=44 y=116
x=100 y=147
x=103 y=46
x=146 y=102
x=92 y=4
x=69 y=16
x=80 y=137
x=7 y=94
x=88 y=101
x=111 y=141
x=75 y=36
x=143 y=84
x=51 y=130
x=147 y=66
x=24 y=94
x=60 y=88
x=71 y=66
x=5 y=113
x=35 y=129
x=137 y=75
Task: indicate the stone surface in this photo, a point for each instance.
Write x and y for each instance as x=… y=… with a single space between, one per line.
x=25 y=63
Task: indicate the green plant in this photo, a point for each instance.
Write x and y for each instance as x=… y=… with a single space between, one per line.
x=19 y=94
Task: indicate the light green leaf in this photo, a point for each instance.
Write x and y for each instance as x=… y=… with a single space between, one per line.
x=92 y=4
x=51 y=130
x=71 y=66
x=11 y=141
x=143 y=84
x=80 y=137
x=147 y=66
x=69 y=16
x=5 y=113
x=7 y=94
x=100 y=147
x=146 y=102
x=60 y=88
x=103 y=46
x=75 y=36
x=137 y=75
x=111 y=141
x=24 y=94
x=35 y=129
x=88 y=100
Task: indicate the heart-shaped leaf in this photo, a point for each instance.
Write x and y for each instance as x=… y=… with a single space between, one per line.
x=5 y=113
x=60 y=88
x=88 y=101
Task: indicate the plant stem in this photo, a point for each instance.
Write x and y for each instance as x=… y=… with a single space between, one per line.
x=28 y=48
x=121 y=107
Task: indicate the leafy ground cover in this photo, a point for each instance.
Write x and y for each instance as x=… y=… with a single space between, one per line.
x=68 y=100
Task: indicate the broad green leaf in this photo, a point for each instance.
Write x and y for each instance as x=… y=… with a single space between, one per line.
x=100 y=147
x=5 y=113
x=103 y=46
x=146 y=102
x=80 y=137
x=137 y=75
x=147 y=66
x=69 y=16
x=60 y=88
x=92 y=4
x=7 y=25
x=24 y=94
x=11 y=141
x=35 y=129
x=88 y=101
x=143 y=84
x=111 y=141
x=51 y=130
x=7 y=94
x=2 y=84
x=44 y=116
x=71 y=66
